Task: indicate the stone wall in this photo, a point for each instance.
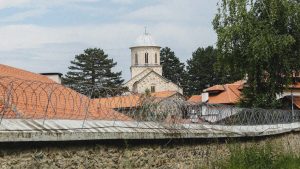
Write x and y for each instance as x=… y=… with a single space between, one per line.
x=160 y=84
x=132 y=154
x=140 y=52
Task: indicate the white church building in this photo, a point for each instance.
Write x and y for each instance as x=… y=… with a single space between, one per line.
x=146 y=71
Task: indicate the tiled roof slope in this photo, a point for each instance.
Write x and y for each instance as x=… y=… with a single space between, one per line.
x=28 y=95
x=22 y=74
x=195 y=99
x=297 y=101
x=215 y=88
x=295 y=85
x=230 y=95
x=133 y=101
x=120 y=101
x=164 y=94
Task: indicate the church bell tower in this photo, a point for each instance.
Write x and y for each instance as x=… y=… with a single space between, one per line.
x=145 y=54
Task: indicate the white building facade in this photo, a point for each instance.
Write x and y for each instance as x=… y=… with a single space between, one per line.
x=146 y=71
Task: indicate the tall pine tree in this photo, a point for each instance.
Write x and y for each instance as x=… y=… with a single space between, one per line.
x=91 y=74
x=173 y=69
x=202 y=71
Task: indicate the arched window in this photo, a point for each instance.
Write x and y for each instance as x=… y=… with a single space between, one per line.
x=136 y=59
x=135 y=87
x=155 y=58
x=146 y=58
x=152 y=89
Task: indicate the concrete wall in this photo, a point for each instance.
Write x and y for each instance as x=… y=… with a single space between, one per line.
x=175 y=154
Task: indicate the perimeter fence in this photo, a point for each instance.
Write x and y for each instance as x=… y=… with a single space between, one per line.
x=24 y=99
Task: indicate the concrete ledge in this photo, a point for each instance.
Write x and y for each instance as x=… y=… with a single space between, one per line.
x=20 y=130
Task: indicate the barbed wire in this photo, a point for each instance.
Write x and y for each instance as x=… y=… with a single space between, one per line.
x=24 y=99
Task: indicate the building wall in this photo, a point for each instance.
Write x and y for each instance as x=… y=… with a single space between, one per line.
x=295 y=92
x=159 y=83
x=140 y=51
x=130 y=83
x=141 y=65
x=55 y=78
x=135 y=70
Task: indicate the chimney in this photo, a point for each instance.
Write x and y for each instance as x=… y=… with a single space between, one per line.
x=205 y=97
x=56 y=77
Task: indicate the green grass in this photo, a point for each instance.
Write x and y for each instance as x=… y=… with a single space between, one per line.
x=259 y=158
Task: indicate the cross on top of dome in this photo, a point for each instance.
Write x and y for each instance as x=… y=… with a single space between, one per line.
x=145 y=40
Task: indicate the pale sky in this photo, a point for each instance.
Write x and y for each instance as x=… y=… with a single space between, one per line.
x=45 y=35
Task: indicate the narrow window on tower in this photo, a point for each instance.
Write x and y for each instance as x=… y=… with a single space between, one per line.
x=146 y=58
x=155 y=58
x=136 y=59
x=152 y=89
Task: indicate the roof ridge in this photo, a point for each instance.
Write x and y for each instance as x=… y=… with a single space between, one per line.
x=10 y=70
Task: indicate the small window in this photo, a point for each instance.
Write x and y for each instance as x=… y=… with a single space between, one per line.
x=152 y=89
x=136 y=59
x=146 y=58
x=155 y=58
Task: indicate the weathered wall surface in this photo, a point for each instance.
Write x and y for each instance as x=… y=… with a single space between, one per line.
x=119 y=154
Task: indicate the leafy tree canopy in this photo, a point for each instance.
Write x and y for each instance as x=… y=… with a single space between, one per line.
x=260 y=39
x=202 y=71
x=173 y=69
x=91 y=74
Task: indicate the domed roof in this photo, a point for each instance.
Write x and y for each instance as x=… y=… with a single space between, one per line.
x=145 y=40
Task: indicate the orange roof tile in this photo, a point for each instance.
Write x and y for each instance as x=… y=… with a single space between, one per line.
x=120 y=101
x=195 y=99
x=22 y=74
x=30 y=95
x=297 y=101
x=230 y=95
x=295 y=85
x=215 y=88
x=164 y=94
x=132 y=101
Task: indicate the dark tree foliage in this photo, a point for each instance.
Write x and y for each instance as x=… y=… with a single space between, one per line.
x=172 y=68
x=202 y=71
x=260 y=39
x=91 y=74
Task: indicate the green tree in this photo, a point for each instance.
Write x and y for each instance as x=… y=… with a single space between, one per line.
x=202 y=71
x=91 y=74
x=260 y=39
x=172 y=69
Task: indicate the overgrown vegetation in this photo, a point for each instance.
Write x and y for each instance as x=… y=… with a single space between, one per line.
x=255 y=157
x=260 y=39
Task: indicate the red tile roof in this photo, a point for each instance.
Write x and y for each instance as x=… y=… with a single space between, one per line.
x=22 y=74
x=195 y=99
x=131 y=101
x=230 y=94
x=297 y=101
x=30 y=95
x=295 y=85
x=164 y=94
x=215 y=88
